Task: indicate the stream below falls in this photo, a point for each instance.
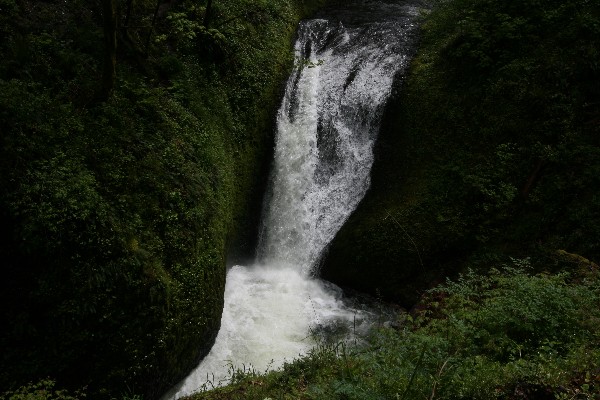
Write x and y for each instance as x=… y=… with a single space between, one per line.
x=347 y=59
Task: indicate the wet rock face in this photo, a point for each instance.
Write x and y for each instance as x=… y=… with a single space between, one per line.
x=346 y=61
x=458 y=175
x=374 y=252
x=392 y=247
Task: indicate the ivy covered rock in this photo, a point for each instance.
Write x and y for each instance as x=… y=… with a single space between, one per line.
x=119 y=208
x=491 y=148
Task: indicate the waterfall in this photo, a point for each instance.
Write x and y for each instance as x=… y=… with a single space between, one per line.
x=346 y=62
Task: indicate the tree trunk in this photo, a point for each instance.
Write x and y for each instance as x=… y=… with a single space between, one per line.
x=532 y=178
x=152 y=27
x=127 y=19
x=207 y=14
x=109 y=15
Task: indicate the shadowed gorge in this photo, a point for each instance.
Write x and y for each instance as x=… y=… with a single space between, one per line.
x=413 y=214
x=119 y=206
x=346 y=62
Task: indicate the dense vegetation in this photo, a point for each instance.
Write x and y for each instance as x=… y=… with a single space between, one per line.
x=122 y=195
x=489 y=163
x=118 y=207
x=505 y=335
x=491 y=150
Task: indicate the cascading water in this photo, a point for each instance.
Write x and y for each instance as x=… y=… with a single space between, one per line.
x=346 y=62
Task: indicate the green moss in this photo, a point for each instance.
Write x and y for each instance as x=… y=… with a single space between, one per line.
x=492 y=146
x=116 y=218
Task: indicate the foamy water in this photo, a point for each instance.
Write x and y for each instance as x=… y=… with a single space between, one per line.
x=326 y=128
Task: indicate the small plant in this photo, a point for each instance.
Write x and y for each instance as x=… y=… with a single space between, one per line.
x=42 y=390
x=308 y=63
x=485 y=336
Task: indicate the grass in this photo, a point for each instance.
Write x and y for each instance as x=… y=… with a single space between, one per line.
x=506 y=335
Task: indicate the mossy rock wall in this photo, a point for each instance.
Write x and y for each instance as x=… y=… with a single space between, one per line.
x=392 y=246
x=490 y=150
x=117 y=217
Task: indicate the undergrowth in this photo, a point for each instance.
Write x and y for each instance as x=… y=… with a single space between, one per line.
x=117 y=216
x=509 y=334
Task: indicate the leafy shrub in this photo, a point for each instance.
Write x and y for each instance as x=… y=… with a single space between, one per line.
x=116 y=217
x=492 y=145
x=42 y=390
x=478 y=337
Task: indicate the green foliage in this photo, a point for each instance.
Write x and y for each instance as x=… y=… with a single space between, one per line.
x=513 y=111
x=42 y=390
x=45 y=389
x=509 y=308
x=505 y=334
x=492 y=146
x=116 y=218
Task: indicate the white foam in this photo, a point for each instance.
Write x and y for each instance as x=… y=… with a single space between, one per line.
x=268 y=314
x=326 y=128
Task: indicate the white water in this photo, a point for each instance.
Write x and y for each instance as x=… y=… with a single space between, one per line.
x=326 y=128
